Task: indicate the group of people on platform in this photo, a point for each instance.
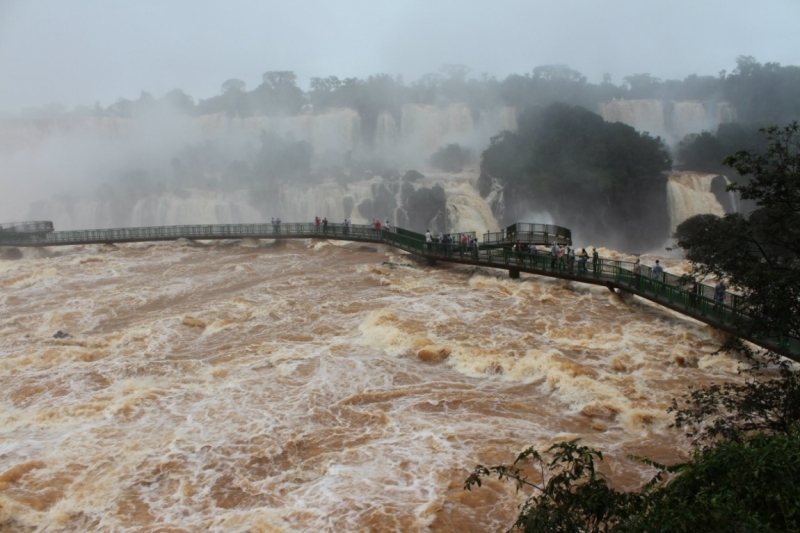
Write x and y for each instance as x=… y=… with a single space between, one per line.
x=694 y=287
x=562 y=258
x=449 y=243
x=376 y=224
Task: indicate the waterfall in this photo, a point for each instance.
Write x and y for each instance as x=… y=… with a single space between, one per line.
x=387 y=134
x=670 y=120
x=467 y=211
x=496 y=120
x=424 y=128
x=643 y=115
x=690 y=117
x=337 y=130
x=202 y=207
x=690 y=193
x=726 y=113
x=21 y=134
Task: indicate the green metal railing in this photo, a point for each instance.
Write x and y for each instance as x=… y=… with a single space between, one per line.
x=665 y=288
x=527 y=233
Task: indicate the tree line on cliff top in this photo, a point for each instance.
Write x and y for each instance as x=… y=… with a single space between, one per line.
x=744 y=471
x=764 y=93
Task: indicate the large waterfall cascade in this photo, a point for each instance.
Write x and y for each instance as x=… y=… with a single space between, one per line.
x=63 y=160
x=466 y=210
x=669 y=120
x=54 y=153
x=690 y=193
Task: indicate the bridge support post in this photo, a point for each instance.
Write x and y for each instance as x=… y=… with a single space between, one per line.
x=513 y=273
x=431 y=261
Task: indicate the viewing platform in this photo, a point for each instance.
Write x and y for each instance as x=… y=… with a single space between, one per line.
x=527 y=233
x=618 y=276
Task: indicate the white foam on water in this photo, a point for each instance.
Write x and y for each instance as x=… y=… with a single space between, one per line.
x=313 y=387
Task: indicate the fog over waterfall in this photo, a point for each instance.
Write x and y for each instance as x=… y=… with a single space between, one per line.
x=342 y=150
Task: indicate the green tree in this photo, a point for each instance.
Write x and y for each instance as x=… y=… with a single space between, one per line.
x=278 y=93
x=736 y=486
x=603 y=179
x=450 y=158
x=759 y=254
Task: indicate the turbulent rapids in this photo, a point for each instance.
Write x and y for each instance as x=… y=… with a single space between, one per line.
x=307 y=385
x=310 y=385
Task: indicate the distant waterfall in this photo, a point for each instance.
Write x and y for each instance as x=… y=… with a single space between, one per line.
x=644 y=115
x=691 y=193
x=669 y=120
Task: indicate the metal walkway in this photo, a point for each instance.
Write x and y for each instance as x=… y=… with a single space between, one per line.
x=618 y=276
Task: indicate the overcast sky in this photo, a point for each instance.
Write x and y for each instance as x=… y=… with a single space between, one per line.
x=82 y=51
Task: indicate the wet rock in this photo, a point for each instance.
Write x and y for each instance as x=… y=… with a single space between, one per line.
x=60 y=335
x=432 y=355
x=193 y=322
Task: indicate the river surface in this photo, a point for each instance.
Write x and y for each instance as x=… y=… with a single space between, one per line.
x=313 y=386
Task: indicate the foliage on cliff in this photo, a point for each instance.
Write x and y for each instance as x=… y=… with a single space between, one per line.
x=736 y=486
x=450 y=158
x=706 y=151
x=759 y=254
x=601 y=178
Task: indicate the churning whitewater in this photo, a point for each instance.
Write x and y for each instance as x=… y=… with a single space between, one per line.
x=313 y=386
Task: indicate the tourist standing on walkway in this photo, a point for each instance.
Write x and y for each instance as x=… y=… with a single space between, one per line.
x=387 y=227
x=595 y=261
x=571 y=258
x=693 y=290
x=583 y=259
x=637 y=272
x=428 y=239
x=555 y=251
x=316 y=224
x=658 y=271
x=325 y=225
x=719 y=293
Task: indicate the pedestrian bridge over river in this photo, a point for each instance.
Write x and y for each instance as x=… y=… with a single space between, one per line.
x=666 y=289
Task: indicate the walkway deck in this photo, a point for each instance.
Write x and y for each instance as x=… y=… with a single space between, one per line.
x=667 y=290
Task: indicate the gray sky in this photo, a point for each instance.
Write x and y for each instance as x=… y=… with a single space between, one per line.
x=81 y=51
